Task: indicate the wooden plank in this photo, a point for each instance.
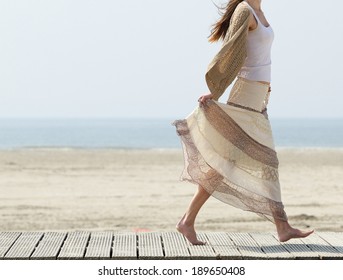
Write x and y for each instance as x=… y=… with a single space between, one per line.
x=299 y=249
x=7 y=239
x=24 y=246
x=334 y=239
x=199 y=252
x=223 y=246
x=271 y=246
x=320 y=246
x=99 y=246
x=150 y=246
x=247 y=246
x=124 y=246
x=49 y=247
x=74 y=246
x=167 y=245
x=175 y=246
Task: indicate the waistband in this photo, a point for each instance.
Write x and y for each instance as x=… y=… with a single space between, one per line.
x=250 y=94
x=260 y=85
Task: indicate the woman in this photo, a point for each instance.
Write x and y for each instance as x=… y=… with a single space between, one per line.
x=228 y=148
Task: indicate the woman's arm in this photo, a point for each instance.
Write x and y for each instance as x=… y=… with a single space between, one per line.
x=224 y=67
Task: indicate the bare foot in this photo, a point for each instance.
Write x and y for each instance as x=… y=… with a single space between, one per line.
x=189 y=233
x=293 y=233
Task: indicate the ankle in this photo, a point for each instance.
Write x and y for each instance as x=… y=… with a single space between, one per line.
x=185 y=222
x=282 y=226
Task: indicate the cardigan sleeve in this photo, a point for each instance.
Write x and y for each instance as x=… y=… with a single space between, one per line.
x=225 y=66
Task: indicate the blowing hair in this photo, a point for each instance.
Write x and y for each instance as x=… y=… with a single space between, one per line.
x=220 y=28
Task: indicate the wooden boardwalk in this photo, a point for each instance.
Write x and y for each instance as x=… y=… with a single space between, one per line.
x=165 y=245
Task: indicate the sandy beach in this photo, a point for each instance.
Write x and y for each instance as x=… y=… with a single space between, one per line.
x=139 y=190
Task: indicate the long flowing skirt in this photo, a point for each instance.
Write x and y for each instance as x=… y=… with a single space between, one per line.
x=229 y=151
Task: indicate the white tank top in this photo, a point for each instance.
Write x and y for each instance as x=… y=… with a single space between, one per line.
x=257 y=66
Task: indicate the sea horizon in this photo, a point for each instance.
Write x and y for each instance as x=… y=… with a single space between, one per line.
x=149 y=133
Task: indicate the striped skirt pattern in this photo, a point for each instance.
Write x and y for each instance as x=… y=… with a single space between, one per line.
x=229 y=151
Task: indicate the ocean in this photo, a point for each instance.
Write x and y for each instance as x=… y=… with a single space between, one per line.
x=149 y=133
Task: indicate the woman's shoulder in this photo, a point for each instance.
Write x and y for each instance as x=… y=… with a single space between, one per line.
x=242 y=10
x=240 y=17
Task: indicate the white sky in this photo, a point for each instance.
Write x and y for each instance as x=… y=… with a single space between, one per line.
x=111 y=58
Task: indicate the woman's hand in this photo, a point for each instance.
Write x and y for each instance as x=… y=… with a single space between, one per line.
x=202 y=99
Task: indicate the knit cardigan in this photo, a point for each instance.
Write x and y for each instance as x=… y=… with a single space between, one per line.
x=225 y=66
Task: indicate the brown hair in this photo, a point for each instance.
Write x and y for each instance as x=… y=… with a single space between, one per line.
x=220 y=28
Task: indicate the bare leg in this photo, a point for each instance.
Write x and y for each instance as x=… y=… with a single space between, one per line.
x=186 y=224
x=286 y=232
